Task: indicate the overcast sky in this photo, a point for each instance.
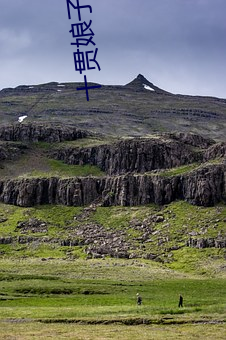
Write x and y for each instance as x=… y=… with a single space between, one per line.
x=179 y=45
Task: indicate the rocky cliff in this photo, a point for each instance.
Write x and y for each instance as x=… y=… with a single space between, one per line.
x=191 y=139
x=205 y=186
x=134 y=169
x=215 y=151
x=132 y=155
x=11 y=151
x=37 y=132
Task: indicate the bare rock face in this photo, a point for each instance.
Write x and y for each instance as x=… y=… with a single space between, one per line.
x=4 y=153
x=192 y=139
x=127 y=164
x=144 y=155
x=205 y=186
x=9 y=151
x=215 y=151
x=201 y=243
x=34 y=133
x=131 y=156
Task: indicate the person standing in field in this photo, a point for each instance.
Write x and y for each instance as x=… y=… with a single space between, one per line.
x=139 y=299
x=180 y=301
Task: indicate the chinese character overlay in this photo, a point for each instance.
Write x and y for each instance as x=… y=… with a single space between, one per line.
x=82 y=34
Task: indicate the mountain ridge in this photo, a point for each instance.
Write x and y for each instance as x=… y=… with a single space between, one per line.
x=137 y=83
x=138 y=108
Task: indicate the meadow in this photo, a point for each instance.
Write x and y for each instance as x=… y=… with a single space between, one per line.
x=96 y=299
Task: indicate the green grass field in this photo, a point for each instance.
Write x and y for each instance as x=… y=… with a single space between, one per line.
x=38 y=331
x=96 y=299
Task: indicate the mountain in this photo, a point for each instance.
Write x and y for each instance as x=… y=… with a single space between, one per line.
x=140 y=83
x=99 y=200
x=138 y=108
x=121 y=175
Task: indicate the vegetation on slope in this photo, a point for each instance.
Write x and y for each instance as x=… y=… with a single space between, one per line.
x=35 y=162
x=167 y=243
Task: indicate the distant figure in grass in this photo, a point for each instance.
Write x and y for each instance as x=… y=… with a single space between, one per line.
x=139 y=299
x=180 y=301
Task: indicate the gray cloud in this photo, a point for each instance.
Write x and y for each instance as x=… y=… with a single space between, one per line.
x=177 y=44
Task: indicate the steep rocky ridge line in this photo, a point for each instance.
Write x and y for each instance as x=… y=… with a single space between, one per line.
x=129 y=156
x=215 y=151
x=144 y=155
x=205 y=186
x=37 y=132
x=130 y=110
x=191 y=139
x=125 y=162
x=138 y=85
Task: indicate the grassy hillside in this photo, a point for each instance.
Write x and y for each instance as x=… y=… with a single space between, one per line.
x=179 y=221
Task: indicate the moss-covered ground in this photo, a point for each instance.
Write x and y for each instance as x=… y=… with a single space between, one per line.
x=168 y=239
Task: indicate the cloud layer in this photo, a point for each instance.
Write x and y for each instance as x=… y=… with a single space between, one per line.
x=177 y=44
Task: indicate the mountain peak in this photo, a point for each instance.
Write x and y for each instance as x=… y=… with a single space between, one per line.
x=140 y=83
x=141 y=77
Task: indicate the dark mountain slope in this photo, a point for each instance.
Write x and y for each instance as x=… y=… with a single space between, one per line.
x=140 y=82
x=130 y=110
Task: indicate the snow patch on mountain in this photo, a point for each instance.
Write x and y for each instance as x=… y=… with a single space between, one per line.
x=21 y=118
x=148 y=87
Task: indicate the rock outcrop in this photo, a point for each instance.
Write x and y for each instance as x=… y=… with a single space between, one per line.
x=219 y=242
x=205 y=186
x=11 y=151
x=98 y=241
x=191 y=139
x=132 y=166
x=37 y=132
x=137 y=155
x=215 y=151
x=138 y=85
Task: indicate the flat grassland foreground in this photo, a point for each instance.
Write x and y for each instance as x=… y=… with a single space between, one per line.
x=96 y=299
x=110 y=332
